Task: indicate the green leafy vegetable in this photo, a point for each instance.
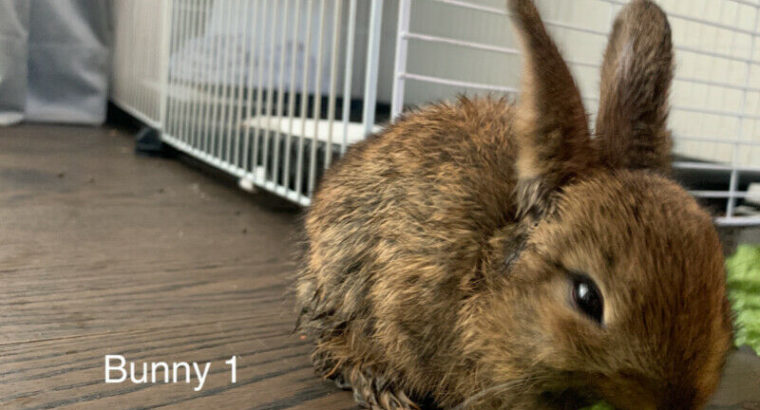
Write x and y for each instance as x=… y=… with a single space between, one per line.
x=743 y=270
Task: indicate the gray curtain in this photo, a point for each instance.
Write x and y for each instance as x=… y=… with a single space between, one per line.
x=54 y=60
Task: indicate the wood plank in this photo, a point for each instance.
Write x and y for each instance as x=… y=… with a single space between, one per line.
x=104 y=252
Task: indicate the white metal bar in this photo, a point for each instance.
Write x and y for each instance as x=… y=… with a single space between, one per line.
x=226 y=82
x=348 y=72
x=154 y=53
x=708 y=95
x=138 y=98
x=280 y=93
x=715 y=54
x=190 y=88
x=316 y=112
x=711 y=69
x=738 y=221
x=402 y=48
x=751 y=150
x=259 y=86
x=573 y=27
x=133 y=63
x=214 y=89
x=734 y=182
x=458 y=83
x=217 y=86
x=716 y=140
x=171 y=104
x=336 y=22
x=234 y=84
x=720 y=194
x=481 y=46
x=746 y=3
x=173 y=108
x=709 y=111
x=714 y=112
x=474 y=6
x=461 y=43
x=248 y=161
x=373 y=57
x=270 y=89
x=241 y=90
x=149 y=53
x=195 y=79
x=304 y=99
x=166 y=33
x=694 y=80
x=208 y=89
x=714 y=166
x=503 y=12
x=152 y=37
x=292 y=91
x=182 y=116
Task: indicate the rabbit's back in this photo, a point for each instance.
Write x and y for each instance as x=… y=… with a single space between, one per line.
x=399 y=226
x=449 y=164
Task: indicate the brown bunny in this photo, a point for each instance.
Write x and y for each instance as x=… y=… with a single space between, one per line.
x=482 y=255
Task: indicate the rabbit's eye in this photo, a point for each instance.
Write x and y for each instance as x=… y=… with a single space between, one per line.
x=588 y=298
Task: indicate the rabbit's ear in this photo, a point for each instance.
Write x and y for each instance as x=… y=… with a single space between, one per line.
x=552 y=127
x=636 y=77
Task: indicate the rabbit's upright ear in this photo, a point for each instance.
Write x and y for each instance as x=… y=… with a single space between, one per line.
x=636 y=75
x=551 y=128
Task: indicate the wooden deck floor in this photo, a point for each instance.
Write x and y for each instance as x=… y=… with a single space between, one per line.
x=103 y=252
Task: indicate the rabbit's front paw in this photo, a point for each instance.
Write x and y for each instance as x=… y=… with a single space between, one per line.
x=374 y=391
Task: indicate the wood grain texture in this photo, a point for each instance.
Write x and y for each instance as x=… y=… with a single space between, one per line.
x=104 y=252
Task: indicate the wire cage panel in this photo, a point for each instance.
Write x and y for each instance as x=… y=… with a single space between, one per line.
x=715 y=101
x=141 y=29
x=272 y=91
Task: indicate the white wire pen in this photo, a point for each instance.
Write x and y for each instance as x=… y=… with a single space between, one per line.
x=251 y=103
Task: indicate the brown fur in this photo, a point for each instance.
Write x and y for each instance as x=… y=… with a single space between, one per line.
x=636 y=77
x=441 y=250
